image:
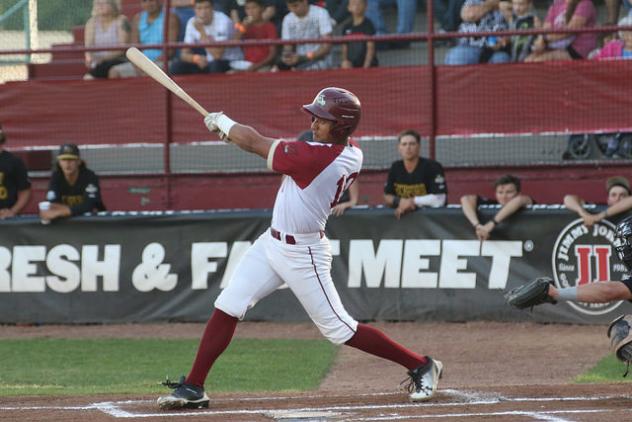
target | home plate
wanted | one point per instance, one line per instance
(301, 415)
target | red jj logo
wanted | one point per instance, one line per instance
(589, 257)
(583, 255)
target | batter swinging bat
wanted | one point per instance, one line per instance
(151, 69)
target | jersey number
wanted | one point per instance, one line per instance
(343, 184)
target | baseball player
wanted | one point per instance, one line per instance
(295, 249)
(15, 187)
(73, 189)
(542, 290)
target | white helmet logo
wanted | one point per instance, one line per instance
(320, 100)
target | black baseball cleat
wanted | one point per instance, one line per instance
(423, 380)
(183, 396)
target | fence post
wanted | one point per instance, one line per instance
(168, 107)
(30, 27)
(432, 109)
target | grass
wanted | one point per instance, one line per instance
(607, 370)
(98, 366)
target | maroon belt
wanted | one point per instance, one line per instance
(288, 238)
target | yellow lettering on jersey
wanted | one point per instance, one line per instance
(72, 200)
(4, 193)
(408, 191)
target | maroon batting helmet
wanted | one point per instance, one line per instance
(339, 106)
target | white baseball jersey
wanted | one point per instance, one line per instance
(317, 175)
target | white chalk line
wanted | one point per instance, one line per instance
(548, 416)
(470, 398)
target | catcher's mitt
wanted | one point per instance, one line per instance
(619, 333)
(531, 294)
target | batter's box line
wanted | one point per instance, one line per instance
(548, 416)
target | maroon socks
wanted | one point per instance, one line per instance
(373, 341)
(217, 336)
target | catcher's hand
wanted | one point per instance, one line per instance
(531, 294)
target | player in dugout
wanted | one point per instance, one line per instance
(73, 188)
(295, 250)
(15, 187)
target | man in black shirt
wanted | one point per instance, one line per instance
(15, 187)
(73, 188)
(414, 181)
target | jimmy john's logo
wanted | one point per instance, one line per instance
(320, 100)
(583, 255)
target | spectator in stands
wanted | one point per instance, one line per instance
(508, 196)
(480, 16)
(448, 12)
(15, 187)
(305, 21)
(571, 14)
(147, 28)
(106, 28)
(618, 49)
(521, 16)
(619, 200)
(414, 182)
(358, 53)
(406, 11)
(253, 27)
(231, 8)
(206, 26)
(73, 188)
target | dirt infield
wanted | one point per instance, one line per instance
(493, 372)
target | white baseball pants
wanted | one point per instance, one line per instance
(305, 267)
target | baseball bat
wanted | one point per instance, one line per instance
(153, 71)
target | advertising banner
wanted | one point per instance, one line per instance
(141, 267)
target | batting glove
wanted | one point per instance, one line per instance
(211, 121)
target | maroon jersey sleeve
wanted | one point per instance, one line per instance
(303, 161)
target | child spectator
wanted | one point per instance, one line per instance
(621, 48)
(106, 28)
(358, 53)
(508, 196)
(522, 16)
(73, 188)
(571, 14)
(208, 25)
(253, 27)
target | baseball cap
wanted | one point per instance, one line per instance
(618, 181)
(68, 152)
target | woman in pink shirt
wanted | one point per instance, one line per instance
(571, 14)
